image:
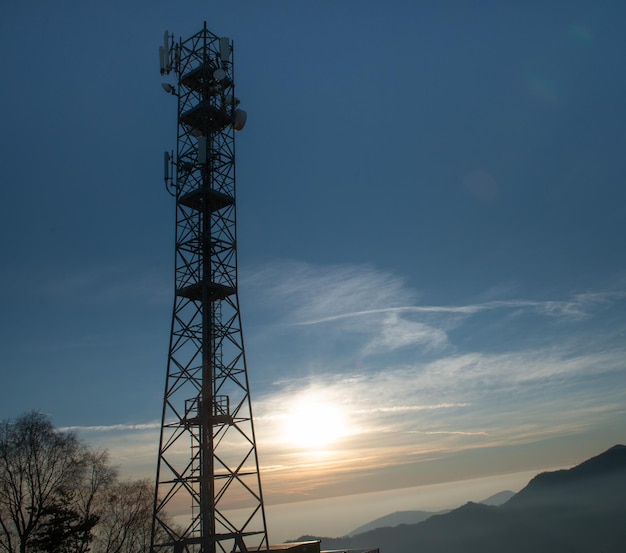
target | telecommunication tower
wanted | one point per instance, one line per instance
(208, 491)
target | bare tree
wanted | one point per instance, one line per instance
(36, 464)
(96, 478)
(126, 518)
(59, 496)
(68, 525)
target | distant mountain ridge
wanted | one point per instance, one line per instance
(600, 472)
(499, 498)
(413, 517)
(393, 520)
(578, 510)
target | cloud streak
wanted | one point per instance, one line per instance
(578, 308)
(379, 310)
(113, 428)
(310, 292)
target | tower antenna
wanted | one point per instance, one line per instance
(208, 489)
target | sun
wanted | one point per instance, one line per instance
(314, 422)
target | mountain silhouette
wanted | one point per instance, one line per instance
(395, 519)
(578, 510)
(413, 517)
(498, 498)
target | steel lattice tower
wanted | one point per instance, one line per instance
(207, 470)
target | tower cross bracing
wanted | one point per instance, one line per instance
(208, 491)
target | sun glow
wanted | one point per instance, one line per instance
(314, 422)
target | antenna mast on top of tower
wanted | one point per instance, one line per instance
(208, 491)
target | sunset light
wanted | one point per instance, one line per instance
(314, 423)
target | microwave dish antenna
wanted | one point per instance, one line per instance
(207, 466)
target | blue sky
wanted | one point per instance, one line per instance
(431, 218)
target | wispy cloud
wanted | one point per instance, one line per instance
(113, 427)
(307, 292)
(577, 308)
(394, 332)
(411, 408)
(379, 307)
(455, 433)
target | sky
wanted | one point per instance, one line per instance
(431, 219)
